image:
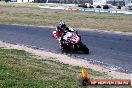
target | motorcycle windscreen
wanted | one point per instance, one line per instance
(67, 35)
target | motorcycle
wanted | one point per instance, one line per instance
(71, 41)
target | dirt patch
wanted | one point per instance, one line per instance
(69, 60)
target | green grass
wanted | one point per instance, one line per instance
(20, 69)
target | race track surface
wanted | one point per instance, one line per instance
(111, 50)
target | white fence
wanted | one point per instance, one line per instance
(98, 10)
(106, 10)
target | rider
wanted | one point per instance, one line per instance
(63, 29)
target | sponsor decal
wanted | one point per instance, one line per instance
(70, 8)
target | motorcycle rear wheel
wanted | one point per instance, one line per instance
(84, 48)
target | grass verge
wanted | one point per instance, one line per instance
(21, 69)
(76, 19)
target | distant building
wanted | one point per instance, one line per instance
(52, 1)
(128, 2)
(112, 2)
(39, 1)
(99, 2)
(55, 1)
(116, 2)
(19, 1)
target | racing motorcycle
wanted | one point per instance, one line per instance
(71, 41)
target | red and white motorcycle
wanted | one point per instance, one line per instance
(70, 41)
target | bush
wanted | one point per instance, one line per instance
(82, 5)
(118, 7)
(7, 0)
(85, 6)
(98, 6)
(91, 7)
(105, 7)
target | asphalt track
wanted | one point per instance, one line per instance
(111, 50)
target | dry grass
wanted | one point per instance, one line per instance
(77, 19)
(15, 4)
